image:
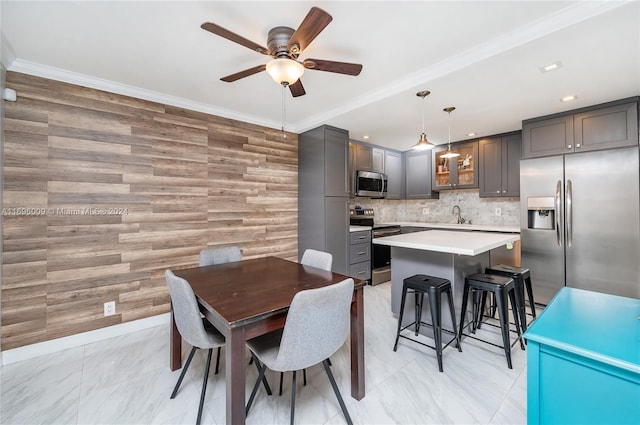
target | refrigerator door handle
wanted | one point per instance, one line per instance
(569, 213)
(558, 221)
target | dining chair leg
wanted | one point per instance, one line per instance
(261, 371)
(281, 377)
(264, 378)
(218, 360)
(184, 372)
(345, 412)
(304, 377)
(204, 385)
(293, 396)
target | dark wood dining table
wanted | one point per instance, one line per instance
(249, 298)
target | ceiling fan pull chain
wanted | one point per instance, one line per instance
(284, 109)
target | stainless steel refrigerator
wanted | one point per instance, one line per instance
(580, 222)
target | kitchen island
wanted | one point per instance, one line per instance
(446, 254)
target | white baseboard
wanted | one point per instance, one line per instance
(48, 347)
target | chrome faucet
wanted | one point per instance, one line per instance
(460, 219)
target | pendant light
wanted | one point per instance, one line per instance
(450, 153)
(423, 143)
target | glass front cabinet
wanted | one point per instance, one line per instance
(460, 172)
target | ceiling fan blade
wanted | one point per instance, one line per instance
(312, 25)
(231, 36)
(297, 89)
(332, 66)
(238, 75)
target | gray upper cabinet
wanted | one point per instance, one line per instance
(378, 160)
(611, 125)
(499, 167)
(368, 158)
(547, 137)
(351, 172)
(336, 162)
(418, 175)
(394, 172)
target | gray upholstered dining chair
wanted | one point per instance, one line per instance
(192, 328)
(319, 259)
(316, 327)
(211, 256)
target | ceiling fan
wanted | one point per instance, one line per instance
(284, 45)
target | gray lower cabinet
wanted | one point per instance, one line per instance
(499, 167)
(394, 171)
(360, 254)
(323, 194)
(418, 175)
(605, 126)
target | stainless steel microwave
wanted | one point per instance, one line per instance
(370, 184)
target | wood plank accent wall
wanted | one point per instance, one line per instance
(122, 189)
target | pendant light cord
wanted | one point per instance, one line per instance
(449, 130)
(423, 114)
(284, 109)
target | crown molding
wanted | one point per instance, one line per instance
(44, 71)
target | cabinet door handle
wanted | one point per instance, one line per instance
(504, 191)
(497, 191)
(362, 237)
(569, 146)
(361, 253)
(361, 272)
(577, 145)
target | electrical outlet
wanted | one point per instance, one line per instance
(109, 308)
(498, 211)
(425, 211)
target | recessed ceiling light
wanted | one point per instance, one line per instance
(551, 67)
(568, 98)
(365, 137)
(471, 134)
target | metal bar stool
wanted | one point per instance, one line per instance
(522, 278)
(502, 288)
(434, 287)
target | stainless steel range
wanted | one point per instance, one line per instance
(381, 255)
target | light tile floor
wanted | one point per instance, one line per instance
(126, 380)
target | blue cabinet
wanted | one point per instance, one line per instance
(583, 360)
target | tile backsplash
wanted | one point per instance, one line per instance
(473, 208)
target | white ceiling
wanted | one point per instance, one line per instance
(481, 57)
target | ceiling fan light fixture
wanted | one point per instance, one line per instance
(285, 71)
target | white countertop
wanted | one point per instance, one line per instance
(464, 243)
(480, 227)
(359, 228)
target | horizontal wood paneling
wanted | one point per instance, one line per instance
(183, 180)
